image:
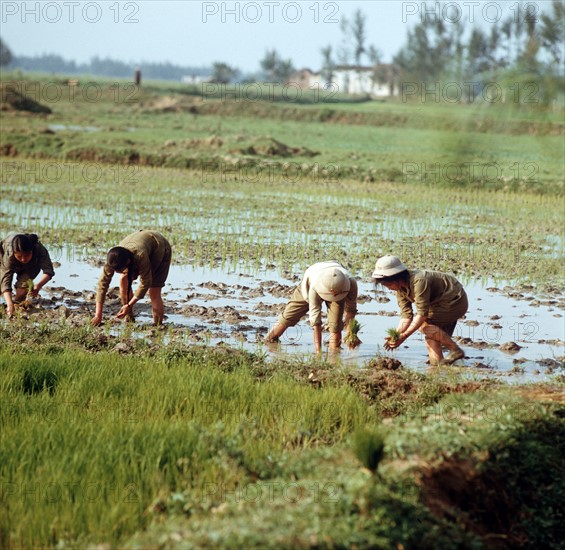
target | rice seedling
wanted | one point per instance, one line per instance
(392, 334)
(368, 446)
(352, 339)
(471, 239)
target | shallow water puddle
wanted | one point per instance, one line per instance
(72, 128)
(210, 306)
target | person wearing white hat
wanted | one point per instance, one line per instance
(327, 282)
(439, 298)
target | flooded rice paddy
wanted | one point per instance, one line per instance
(515, 332)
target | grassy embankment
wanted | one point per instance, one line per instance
(182, 447)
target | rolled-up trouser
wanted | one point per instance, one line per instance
(298, 307)
(162, 261)
(445, 316)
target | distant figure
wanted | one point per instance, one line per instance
(327, 282)
(24, 256)
(137, 76)
(144, 254)
(439, 298)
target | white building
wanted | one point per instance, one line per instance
(195, 79)
(376, 81)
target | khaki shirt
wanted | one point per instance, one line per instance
(313, 298)
(143, 245)
(427, 289)
(9, 265)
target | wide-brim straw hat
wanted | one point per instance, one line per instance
(388, 266)
(332, 284)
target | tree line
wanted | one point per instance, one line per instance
(530, 42)
(51, 63)
(435, 49)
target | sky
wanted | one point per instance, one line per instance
(199, 33)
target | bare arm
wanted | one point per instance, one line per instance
(97, 319)
(9, 302)
(407, 327)
(42, 282)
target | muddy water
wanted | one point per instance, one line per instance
(237, 308)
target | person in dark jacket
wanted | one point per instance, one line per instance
(143, 254)
(24, 256)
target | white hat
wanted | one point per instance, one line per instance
(332, 284)
(388, 266)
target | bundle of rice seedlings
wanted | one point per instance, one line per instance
(27, 303)
(393, 335)
(352, 340)
(368, 445)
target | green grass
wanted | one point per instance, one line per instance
(91, 441)
(98, 448)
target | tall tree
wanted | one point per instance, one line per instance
(496, 59)
(478, 53)
(551, 33)
(5, 54)
(344, 53)
(506, 29)
(359, 35)
(380, 74)
(529, 55)
(276, 69)
(328, 64)
(222, 73)
(428, 52)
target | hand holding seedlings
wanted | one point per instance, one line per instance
(33, 291)
(393, 339)
(351, 339)
(24, 256)
(30, 294)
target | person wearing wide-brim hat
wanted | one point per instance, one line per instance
(440, 301)
(323, 282)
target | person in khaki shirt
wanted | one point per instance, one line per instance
(144, 254)
(439, 299)
(327, 282)
(24, 256)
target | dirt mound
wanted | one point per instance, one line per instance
(169, 104)
(387, 363)
(270, 147)
(508, 493)
(12, 100)
(377, 385)
(165, 104)
(8, 150)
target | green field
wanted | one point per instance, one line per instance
(159, 444)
